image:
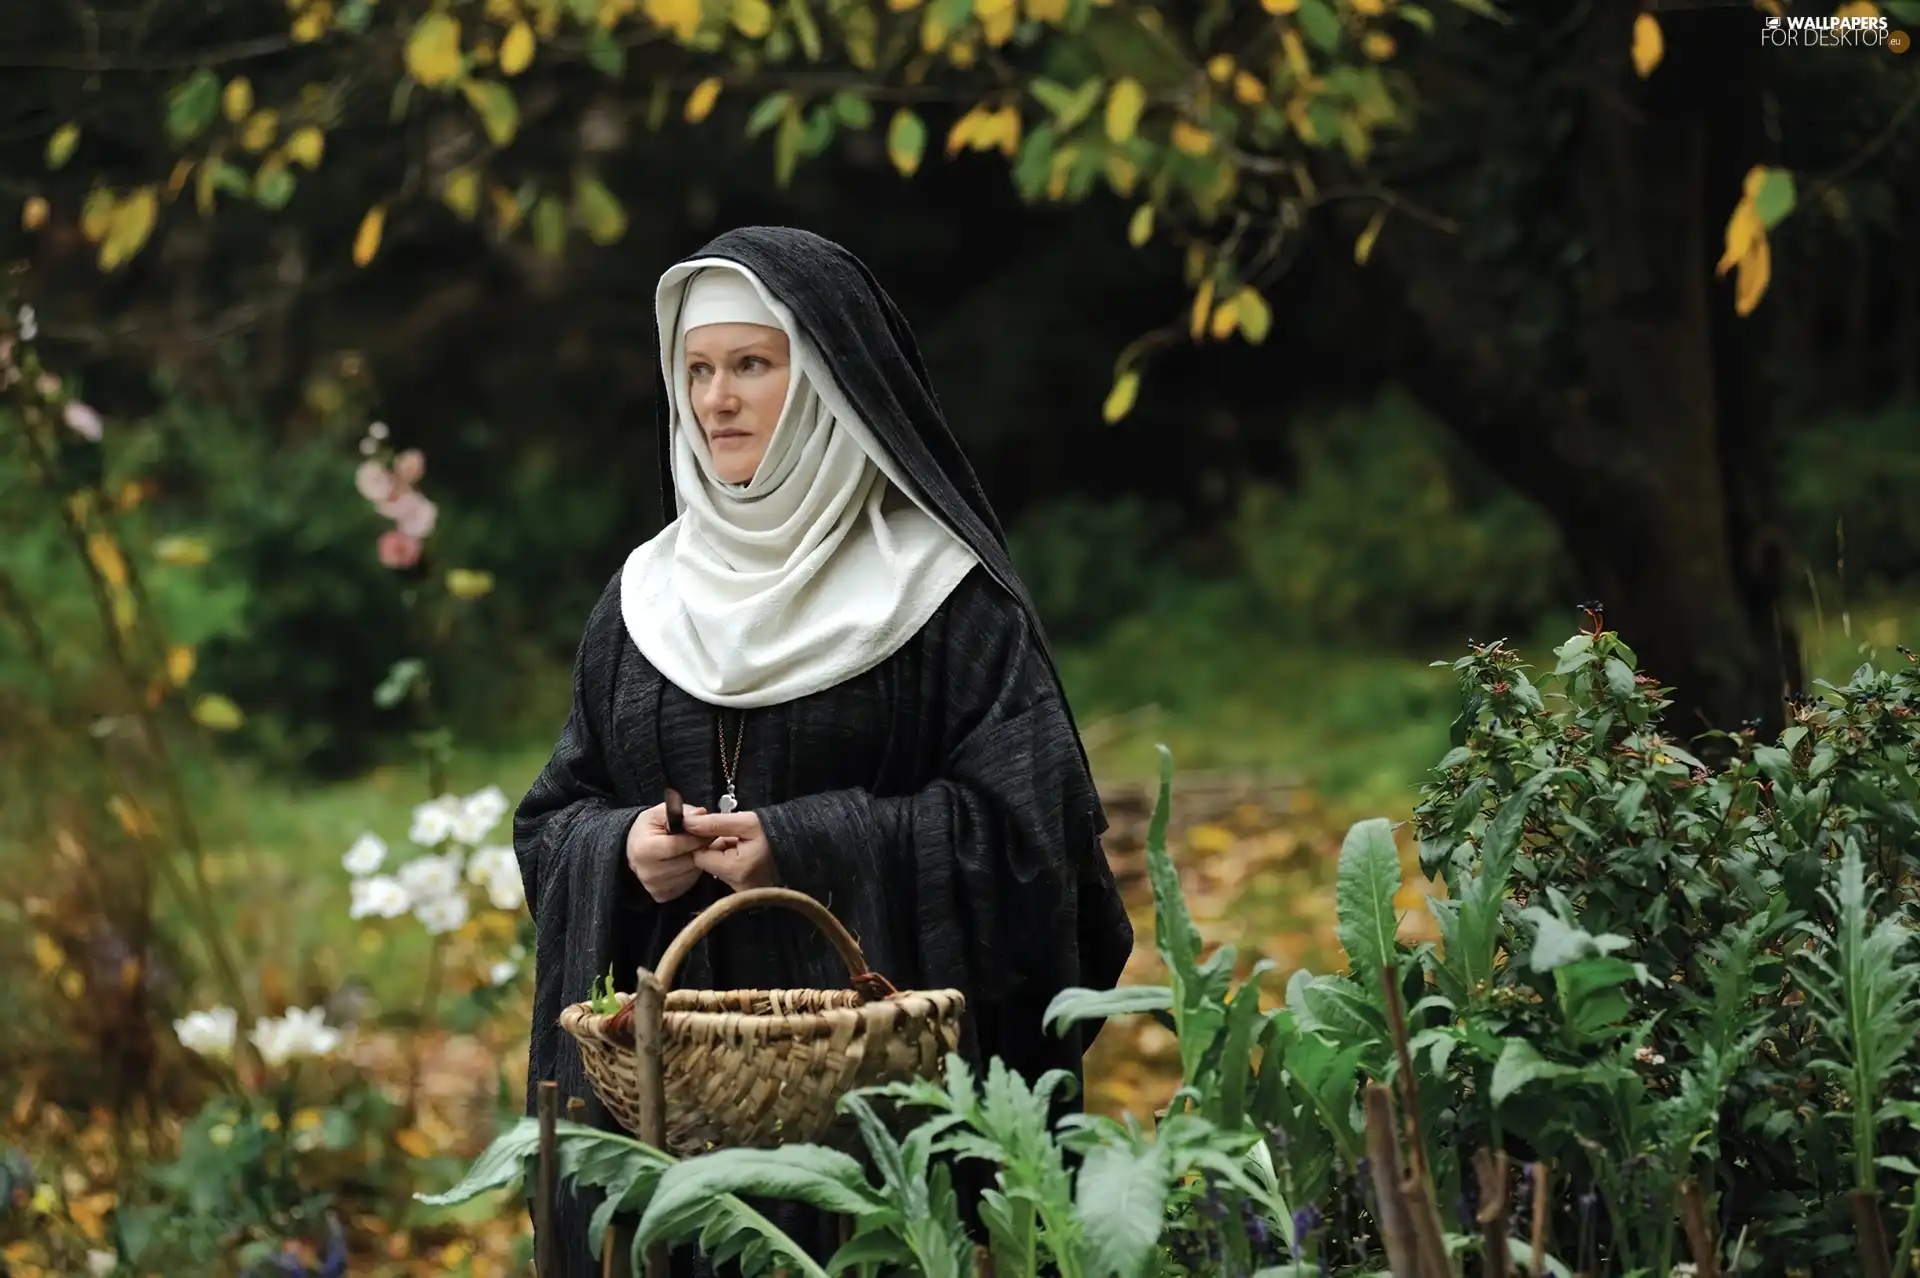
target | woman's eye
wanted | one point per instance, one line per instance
(698, 370)
(752, 363)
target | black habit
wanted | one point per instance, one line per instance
(939, 804)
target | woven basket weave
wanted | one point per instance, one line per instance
(760, 1068)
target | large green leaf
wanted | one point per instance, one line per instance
(1121, 1203)
(1174, 933)
(1369, 876)
(499, 1165)
(1077, 1004)
(1520, 1064)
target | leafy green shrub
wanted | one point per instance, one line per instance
(1686, 1001)
(1088, 564)
(1854, 477)
(1389, 533)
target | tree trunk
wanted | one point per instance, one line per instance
(1646, 431)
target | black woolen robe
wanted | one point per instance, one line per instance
(939, 804)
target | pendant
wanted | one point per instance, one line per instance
(727, 802)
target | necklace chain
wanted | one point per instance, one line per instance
(729, 801)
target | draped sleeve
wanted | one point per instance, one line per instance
(997, 855)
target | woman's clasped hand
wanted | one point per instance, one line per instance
(730, 846)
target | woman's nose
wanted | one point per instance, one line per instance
(717, 395)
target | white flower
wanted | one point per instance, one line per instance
(428, 878)
(502, 972)
(490, 863)
(101, 1263)
(365, 856)
(29, 324)
(442, 914)
(209, 1033)
(379, 897)
(433, 821)
(506, 892)
(301, 1032)
(490, 803)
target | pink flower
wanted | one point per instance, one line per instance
(409, 466)
(374, 481)
(397, 550)
(411, 513)
(83, 420)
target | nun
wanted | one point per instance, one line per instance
(829, 653)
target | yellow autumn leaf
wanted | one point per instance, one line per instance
(310, 26)
(966, 131)
(1191, 139)
(604, 220)
(33, 214)
(516, 51)
(461, 192)
(260, 130)
(1377, 45)
(1648, 44)
(433, 50)
(468, 583)
(700, 101)
(1122, 173)
(903, 6)
(1140, 226)
(1003, 131)
(96, 214)
(1225, 319)
(236, 100)
(1743, 228)
(752, 18)
(1126, 388)
(180, 663)
(1053, 12)
(1363, 247)
(46, 954)
(1202, 309)
(682, 17)
(61, 145)
(1125, 101)
(1369, 8)
(1256, 317)
(1754, 271)
(182, 552)
(1247, 89)
(217, 713)
(1857, 9)
(414, 1142)
(177, 180)
(934, 29)
(132, 223)
(1000, 27)
(506, 208)
(1220, 68)
(90, 1214)
(1209, 839)
(1060, 171)
(1280, 7)
(366, 242)
(306, 146)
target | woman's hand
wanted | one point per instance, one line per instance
(663, 862)
(738, 854)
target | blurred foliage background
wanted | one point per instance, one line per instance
(1296, 343)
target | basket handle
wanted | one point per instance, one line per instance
(871, 985)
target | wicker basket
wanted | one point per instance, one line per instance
(757, 1068)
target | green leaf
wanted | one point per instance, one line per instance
(1120, 1203)
(604, 53)
(600, 213)
(1485, 8)
(1627, 806)
(1590, 996)
(1073, 1005)
(191, 106)
(786, 147)
(496, 106)
(1368, 878)
(1905, 10)
(1320, 23)
(768, 111)
(1174, 933)
(273, 187)
(906, 141)
(1619, 677)
(549, 226)
(1417, 15)
(853, 110)
(699, 1199)
(499, 1165)
(354, 16)
(1520, 1064)
(1574, 653)
(806, 28)
(1557, 943)
(1069, 106)
(1774, 200)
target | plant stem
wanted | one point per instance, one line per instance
(429, 1000)
(1904, 1259)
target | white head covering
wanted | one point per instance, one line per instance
(819, 568)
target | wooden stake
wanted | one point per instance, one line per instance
(1693, 1218)
(546, 1241)
(649, 1004)
(1540, 1182)
(1383, 1153)
(1491, 1171)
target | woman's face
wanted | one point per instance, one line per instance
(737, 378)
